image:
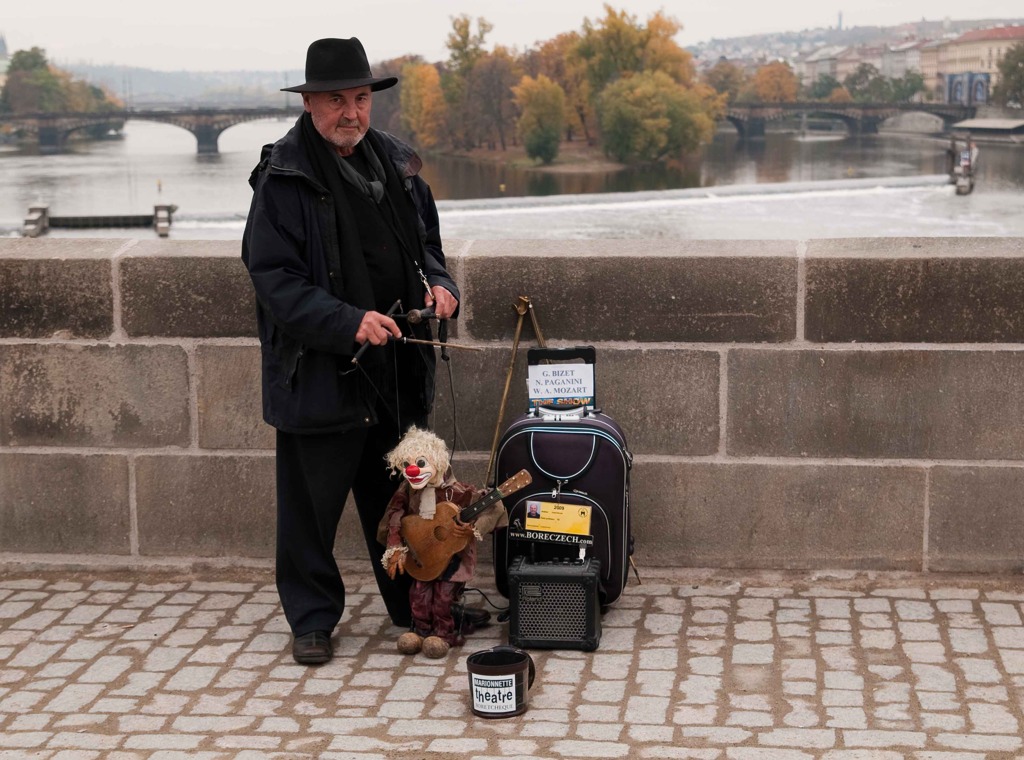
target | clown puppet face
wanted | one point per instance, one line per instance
(421, 473)
(421, 457)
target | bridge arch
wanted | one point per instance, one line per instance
(206, 125)
(747, 128)
(53, 136)
(750, 118)
(52, 130)
(852, 123)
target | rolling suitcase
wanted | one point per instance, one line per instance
(578, 458)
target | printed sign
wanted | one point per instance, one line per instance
(494, 694)
(549, 517)
(563, 539)
(561, 384)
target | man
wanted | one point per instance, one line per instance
(341, 228)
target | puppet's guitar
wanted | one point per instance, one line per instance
(433, 543)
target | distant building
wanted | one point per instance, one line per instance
(899, 59)
(934, 85)
(969, 64)
(822, 62)
(852, 58)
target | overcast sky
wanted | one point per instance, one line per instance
(212, 35)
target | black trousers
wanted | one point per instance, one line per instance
(314, 476)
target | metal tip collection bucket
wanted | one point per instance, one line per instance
(499, 681)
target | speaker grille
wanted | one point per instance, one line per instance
(552, 610)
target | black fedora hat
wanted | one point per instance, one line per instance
(333, 64)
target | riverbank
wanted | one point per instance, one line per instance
(580, 157)
(574, 156)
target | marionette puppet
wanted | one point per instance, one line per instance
(425, 537)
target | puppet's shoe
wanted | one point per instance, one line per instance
(312, 648)
(410, 643)
(468, 619)
(435, 647)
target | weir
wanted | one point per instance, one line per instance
(790, 404)
(39, 220)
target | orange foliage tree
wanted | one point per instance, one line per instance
(424, 111)
(726, 78)
(556, 59)
(776, 83)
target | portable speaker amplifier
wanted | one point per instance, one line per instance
(554, 604)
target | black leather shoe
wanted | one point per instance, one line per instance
(312, 648)
(468, 619)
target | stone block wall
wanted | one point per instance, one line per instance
(854, 403)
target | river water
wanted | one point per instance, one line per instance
(786, 186)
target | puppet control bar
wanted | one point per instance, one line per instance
(414, 317)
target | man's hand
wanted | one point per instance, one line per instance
(444, 303)
(462, 530)
(375, 329)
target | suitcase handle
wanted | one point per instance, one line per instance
(562, 413)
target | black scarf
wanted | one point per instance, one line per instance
(373, 189)
(395, 206)
(354, 286)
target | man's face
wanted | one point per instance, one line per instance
(341, 116)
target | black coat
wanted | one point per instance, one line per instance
(307, 332)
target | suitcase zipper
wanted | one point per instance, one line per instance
(556, 492)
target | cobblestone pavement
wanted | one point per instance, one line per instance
(709, 665)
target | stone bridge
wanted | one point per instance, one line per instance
(53, 130)
(860, 118)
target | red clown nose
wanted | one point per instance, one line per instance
(412, 471)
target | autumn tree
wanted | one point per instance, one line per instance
(611, 48)
(465, 47)
(490, 86)
(840, 95)
(726, 78)
(649, 116)
(32, 86)
(424, 112)
(866, 85)
(619, 45)
(629, 64)
(387, 104)
(557, 60)
(1010, 88)
(541, 104)
(662, 53)
(776, 83)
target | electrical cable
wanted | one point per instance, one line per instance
(486, 598)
